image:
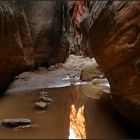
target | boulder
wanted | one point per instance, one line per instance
(101, 84)
(90, 91)
(90, 71)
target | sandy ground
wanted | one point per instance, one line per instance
(57, 76)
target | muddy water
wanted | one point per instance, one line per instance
(85, 117)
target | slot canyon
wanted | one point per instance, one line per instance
(69, 69)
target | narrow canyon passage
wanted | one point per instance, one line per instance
(69, 69)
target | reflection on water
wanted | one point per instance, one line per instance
(72, 134)
(72, 115)
(66, 84)
(77, 122)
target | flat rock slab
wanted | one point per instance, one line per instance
(41, 105)
(16, 122)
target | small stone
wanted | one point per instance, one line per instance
(15, 122)
(41, 104)
(43, 93)
(46, 99)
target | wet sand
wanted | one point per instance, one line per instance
(97, 119)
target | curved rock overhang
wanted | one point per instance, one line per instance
(114, 41)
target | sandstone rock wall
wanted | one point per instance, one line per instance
(76, 13)
(114, 40)
(15, 43)
(32, 34)
(45, 20)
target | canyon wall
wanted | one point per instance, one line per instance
(32, 33)
(76, 13)
(15, 42)
(45, 19)
(114, 39)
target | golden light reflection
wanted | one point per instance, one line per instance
(77, 122)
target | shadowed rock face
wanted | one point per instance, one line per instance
(32, 34)
(76, 13)
(15, 43)
(45, 20)
(114, 40)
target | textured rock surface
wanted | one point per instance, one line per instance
(90, 71)
(114, 40)
(77, 12)
(45, 20)
(32, 34)
(15, 43)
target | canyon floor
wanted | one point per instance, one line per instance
(75, 113)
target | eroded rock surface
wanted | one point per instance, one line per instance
(90, 71)
(15, 43)
(45, 19)
(114, 40)
(76, 13)
(32, 34)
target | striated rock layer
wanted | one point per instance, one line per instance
(114, 40)
(75, 15)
